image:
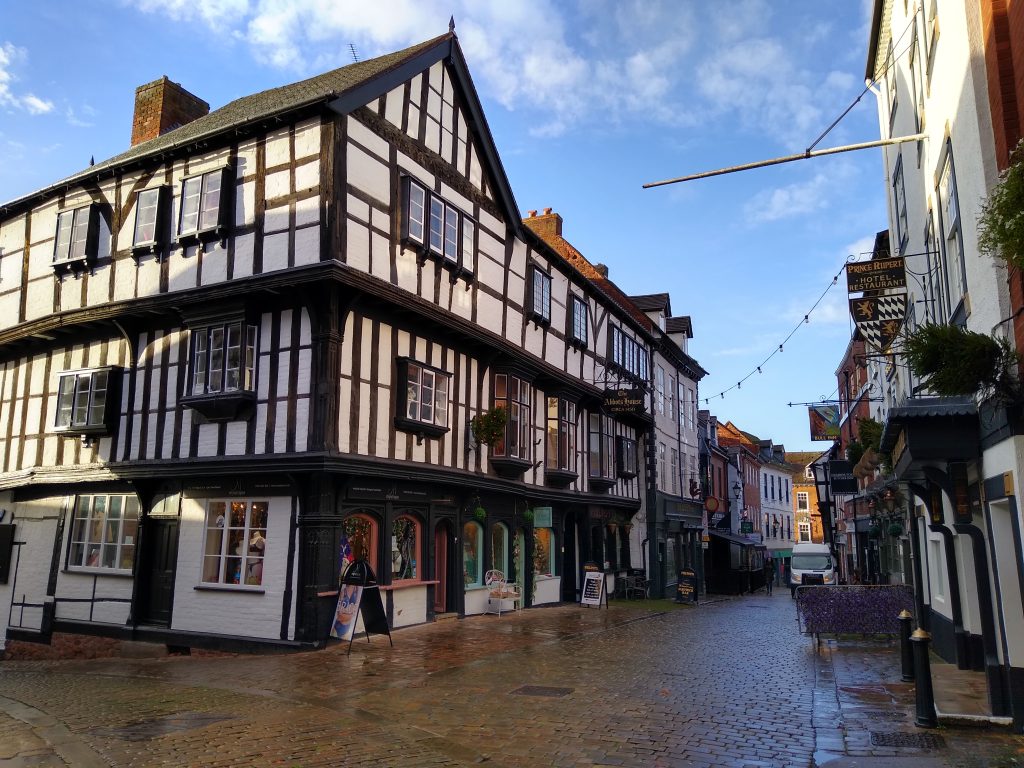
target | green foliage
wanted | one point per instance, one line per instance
(528, 516)
(955, 361)
(870, 432)
(1001, 224)
(854, 451)
(489, 426)
(480, 514)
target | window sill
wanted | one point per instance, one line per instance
(559, 478)
(206, 235)
(229, 406)
(85, 570)
(601, 484)
(407, 584)
(539, 577)
(89, 430)
(237, 588)
(510, 468)
(420, 428)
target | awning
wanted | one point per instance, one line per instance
(743, 541)
(928, 429)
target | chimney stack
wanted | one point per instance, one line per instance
(602, 270)
(548, 225)
(162, 106)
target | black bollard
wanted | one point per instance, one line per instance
(925, 699)
(906, 650)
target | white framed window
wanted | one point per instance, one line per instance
(77, 238)
(204, 206)
(951, 240)
(104, 530)
(661, 465)
(431, 224)
(150, 209)
(422, 398)
(670, 389)
(235, 543)
(540, 295)
(628, 355)
(802, 501)
(626, 454)
(659, 388)
(223, 359)
(82, 398)
(805, 532)
(673, 471)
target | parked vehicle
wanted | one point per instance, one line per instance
(811, 564)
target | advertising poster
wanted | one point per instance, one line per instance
(347, 612)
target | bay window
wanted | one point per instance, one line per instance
(601, 452)
(77, 238)
(422, 399)
(150, 210)
(515, 396)
(204, 205)
(82, 399)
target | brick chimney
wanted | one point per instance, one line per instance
(162, 106)
(548, 225)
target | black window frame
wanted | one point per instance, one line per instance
(628, 356)
(418, 425)
(515, 409)
(69, 389)
(453, 242)
(564, 420)
(626, 457)
(204, 229)
(222, 403)
(603, 474)
(542, 314)
(159, 222)
(89, 251)
(579, 322)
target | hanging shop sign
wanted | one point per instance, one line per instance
(879, 318)
(841, 477)
(622, 402)
(746, 526)
(542, 517)
(876, 275)
(824, 422)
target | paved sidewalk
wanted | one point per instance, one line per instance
(727, 684)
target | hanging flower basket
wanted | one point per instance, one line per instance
(528, 516)
(489, 426)
(875, 531)
(480, 514)
(895, 529)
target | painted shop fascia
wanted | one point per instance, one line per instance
(248, 339)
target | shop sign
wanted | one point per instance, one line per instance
(593, 588)
(383, 491)
(824, 422)
(624, 402)
(746, 526)
(542, 517)
(686, 586)
(876, 275)
(879, 318)
(841, 477)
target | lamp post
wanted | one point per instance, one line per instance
(737, 492)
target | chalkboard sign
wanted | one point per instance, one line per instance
(593, 589)
(686, 588)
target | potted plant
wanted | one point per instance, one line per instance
(955, 361)
(875, 531)
(489, 426)
(895, 529)
(1001, 224)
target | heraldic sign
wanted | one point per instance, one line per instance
(880, 312)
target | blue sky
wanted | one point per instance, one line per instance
(587, 101)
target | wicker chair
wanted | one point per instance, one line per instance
(500, 593)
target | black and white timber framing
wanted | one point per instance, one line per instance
(261, 366)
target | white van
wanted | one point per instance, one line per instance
(811, 564)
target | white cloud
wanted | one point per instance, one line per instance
(10, 57)
(786, 202)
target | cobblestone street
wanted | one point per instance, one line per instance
(729, 683)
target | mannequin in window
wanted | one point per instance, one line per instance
(257, 547)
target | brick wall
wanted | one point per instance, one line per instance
(162, 106)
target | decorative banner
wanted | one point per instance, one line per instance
(875, 275)
(879, 318)
(824, 422)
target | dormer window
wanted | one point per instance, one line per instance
(77, 240)
(433, 226)
(203, 205)
(150, 214)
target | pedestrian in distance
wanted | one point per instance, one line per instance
(769, 574)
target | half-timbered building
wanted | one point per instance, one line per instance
(255, 343)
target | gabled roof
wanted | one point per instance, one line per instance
(340, 90)
(802, 458)
(681, 324)
(653, 302)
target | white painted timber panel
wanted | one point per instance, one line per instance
(368, 174)
(307, 246)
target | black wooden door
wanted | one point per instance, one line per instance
(156, 571)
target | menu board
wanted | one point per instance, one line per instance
(593, 588)
(686, 587)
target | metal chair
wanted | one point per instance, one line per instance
(499, 591)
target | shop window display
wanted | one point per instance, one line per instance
(472, 550)
(499, 548)
(543, 551)
(236, 542)
(361, 532)
(405, 536)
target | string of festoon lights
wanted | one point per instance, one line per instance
(779, 349)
